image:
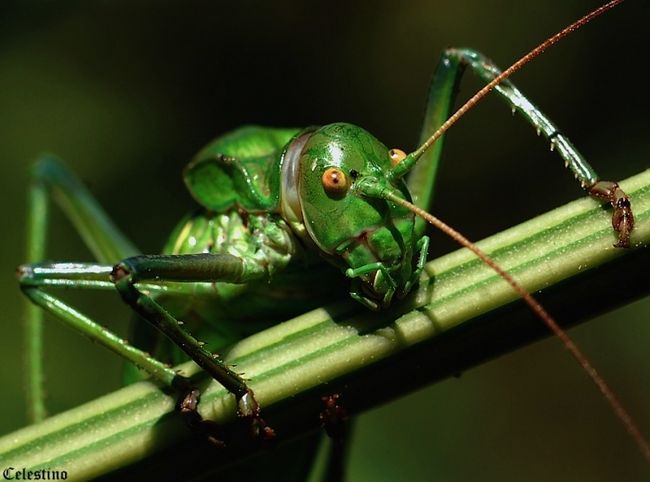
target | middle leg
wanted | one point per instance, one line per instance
(131, 272)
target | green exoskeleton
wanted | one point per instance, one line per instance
(277, 208)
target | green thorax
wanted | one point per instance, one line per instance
(239, 169)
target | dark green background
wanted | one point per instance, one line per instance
(126, 92)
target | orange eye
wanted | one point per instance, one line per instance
(396, 156)
(335, 182)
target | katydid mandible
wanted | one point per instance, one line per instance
(272, 202)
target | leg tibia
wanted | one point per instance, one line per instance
(486, 70)
(83, 324)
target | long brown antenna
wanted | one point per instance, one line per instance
(411, 159)
(582, 359)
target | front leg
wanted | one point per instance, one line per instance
(441, 96)
(609, 191)
(192, 268)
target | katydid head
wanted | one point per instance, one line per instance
(323, 192)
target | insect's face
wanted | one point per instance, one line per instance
(370, 238)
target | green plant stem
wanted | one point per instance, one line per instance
(461, 314)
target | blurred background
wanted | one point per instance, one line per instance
(127, 92)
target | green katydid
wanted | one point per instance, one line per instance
(241, 182)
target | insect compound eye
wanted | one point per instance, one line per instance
(335, 182)
(396, 156)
